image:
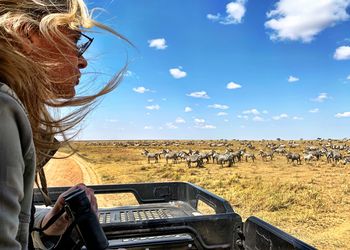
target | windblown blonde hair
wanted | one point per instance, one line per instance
(30, 79)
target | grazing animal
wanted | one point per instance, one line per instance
(249, 155)
(215, 157)
(150, 156)
(346, 159)
(170, 155)
(293, 157)
(226, 158)
(281, 151)
(238, 155)
(308, 157)
(195, 158)
(334, 156)
(265, 155)
(317, 153)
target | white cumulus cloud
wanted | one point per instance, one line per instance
(180, 120)
(148, 127)
(222, 114)
(321, 97)
(315, 110)
(188, 109)
(279, 117)
(128, 73)
(342, 115)
(140, 90)
(199, 94)
(218, 106)
(208, 126)
(198, 120)
(233, 85)
(177, 73)
(200, 123)
(258, 119)
(153, 107)
(251, 111)
(293, 79)
(235, 12)
(303, 19)
(170, 125)
(297, 118)
(214, 17)
(158, 43)
(342, 53)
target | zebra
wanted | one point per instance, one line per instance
(264, 155)
(308, 157)
(333, 155)
(293, 157)
(150, 156)
(228, 157)
(249, 155)
(238, 154)
(316, 153)
(346, 159)
(280, 150)
(170, 155)
(215, 156)
(182, 155)
(194, 158)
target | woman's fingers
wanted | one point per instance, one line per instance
(92, 198)
(63, 221)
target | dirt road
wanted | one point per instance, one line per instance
(70, 171)
(74, 170)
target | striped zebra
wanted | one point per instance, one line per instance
(150, 156)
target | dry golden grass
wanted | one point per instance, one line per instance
(310, 201)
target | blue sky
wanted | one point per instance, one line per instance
(210, 69)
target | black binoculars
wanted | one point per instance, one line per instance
(78, 207)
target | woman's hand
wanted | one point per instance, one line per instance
(61, 224)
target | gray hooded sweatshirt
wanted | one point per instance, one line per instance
(17, 171)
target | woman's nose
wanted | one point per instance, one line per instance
(82, 63)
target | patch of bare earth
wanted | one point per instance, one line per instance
(74, 170)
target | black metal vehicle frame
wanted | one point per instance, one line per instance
(167, 217)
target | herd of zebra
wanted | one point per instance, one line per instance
(230, 157)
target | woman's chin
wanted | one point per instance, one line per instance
(66, 93)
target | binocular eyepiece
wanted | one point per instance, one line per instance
(78, 207)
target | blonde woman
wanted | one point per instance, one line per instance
(42, 43)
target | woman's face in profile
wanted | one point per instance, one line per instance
(66, 61)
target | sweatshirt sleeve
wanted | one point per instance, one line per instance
(38, 242)
(11, 176)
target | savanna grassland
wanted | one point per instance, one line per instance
(310, 201)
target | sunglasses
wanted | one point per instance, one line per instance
(83, 43)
